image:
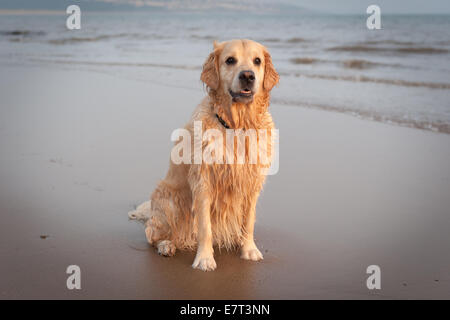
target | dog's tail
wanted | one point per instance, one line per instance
(142, 212)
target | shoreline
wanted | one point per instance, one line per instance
(364, 115)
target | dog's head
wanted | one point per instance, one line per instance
(240, 69)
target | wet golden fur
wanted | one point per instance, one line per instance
(201, 205)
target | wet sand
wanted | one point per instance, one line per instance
(81, 149)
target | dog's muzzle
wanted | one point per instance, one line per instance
(247, 82)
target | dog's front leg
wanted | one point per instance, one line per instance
(204, 260)
(249, 251)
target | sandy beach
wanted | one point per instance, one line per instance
(80, 149)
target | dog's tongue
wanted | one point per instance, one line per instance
(245, 91)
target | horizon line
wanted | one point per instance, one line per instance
(62, 12)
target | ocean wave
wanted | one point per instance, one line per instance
(270, 40)
(104, 37)
(263, 40)
(348, 64)
(80, 39)
(405, 50)
(87, 39)
(360, 64)
(360, 78)
(22, 33)
(295, 40)
(394, 42)
(435, 126)
(119, 64)
(402, 43)
(290, 41)
(207, 37)
(305, 60)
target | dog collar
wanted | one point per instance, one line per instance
(222, 121)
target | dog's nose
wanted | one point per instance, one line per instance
(247, 77)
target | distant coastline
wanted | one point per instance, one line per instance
(30, 12)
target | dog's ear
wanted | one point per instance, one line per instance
(271, 76)
(210, 73)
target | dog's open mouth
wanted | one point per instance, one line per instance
(244, 94)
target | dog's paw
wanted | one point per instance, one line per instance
(141, 213)
(166, 248)
(204, 262)
(251, 253)
(132, 215)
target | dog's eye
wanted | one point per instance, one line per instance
(230, 61)
(257, 61)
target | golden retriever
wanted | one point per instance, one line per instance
(199, 205)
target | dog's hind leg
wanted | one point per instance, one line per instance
(167, 220)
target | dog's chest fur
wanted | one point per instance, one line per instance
(232, 188)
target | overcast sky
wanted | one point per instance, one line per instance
(325, 6)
